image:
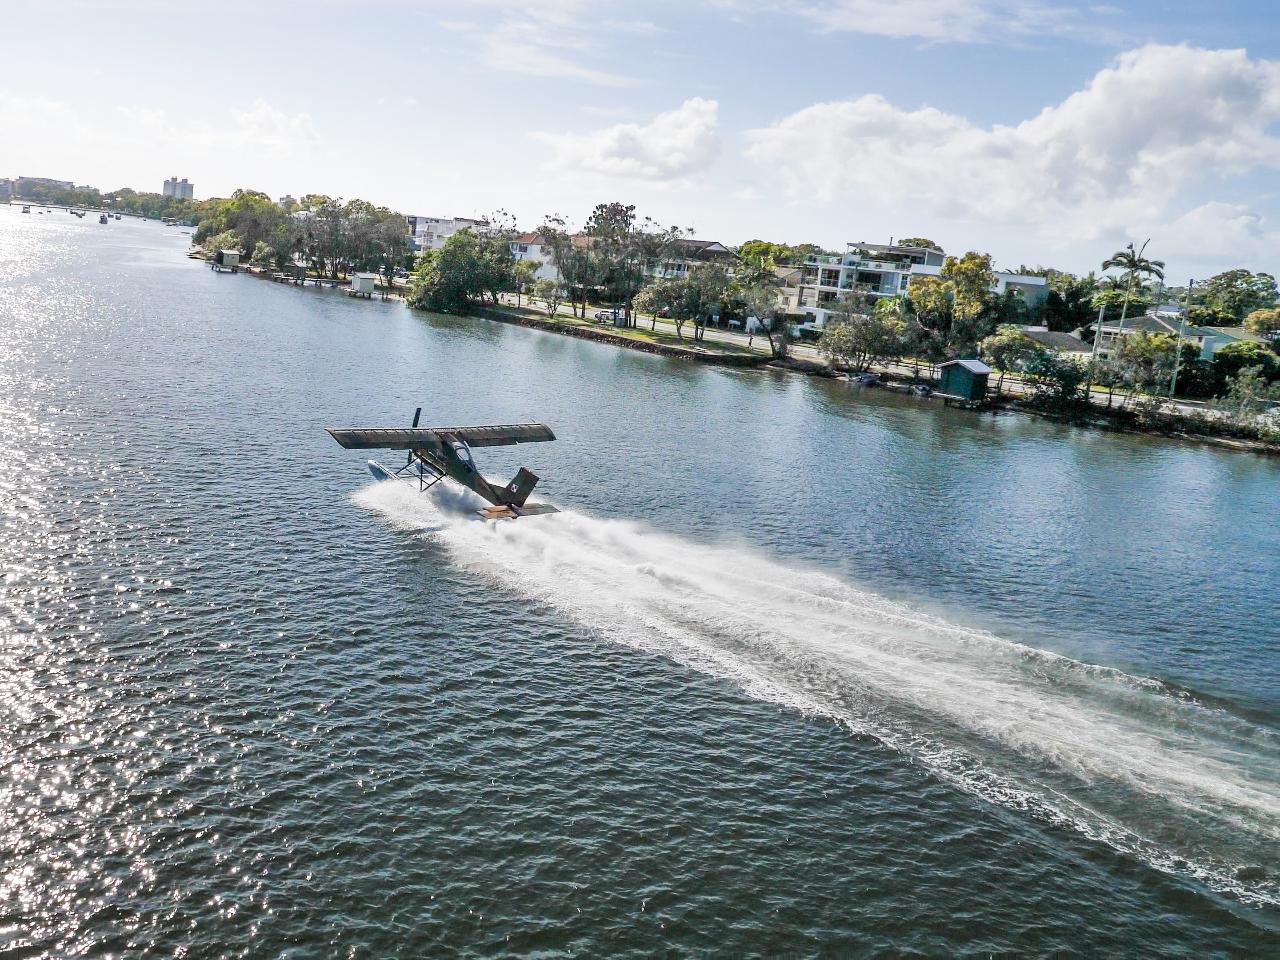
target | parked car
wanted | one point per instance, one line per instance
(608, 316)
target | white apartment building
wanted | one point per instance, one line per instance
(532, 246)
(430, 233)
(173, 187)
(879, 270)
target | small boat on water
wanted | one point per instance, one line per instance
(26, 209)
(864, 379)
(102, 218)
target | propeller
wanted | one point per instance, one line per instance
(416, 415)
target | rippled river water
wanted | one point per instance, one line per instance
(799, 669)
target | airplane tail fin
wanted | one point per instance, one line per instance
(518, 490)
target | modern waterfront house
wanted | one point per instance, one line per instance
(879, 270)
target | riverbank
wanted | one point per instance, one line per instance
(630, 338)
(720, 352)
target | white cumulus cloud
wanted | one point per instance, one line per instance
(1218, 235)
(264, 127)
(1158, 121)
(672, 146)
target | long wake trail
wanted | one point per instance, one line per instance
(1190, 788)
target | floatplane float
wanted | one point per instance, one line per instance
(436, 453)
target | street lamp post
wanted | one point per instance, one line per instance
(1177, 353)
(1093, 360)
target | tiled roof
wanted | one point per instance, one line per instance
(1153, 324)
(1237, 333)
(1056, 340)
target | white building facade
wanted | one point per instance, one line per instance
(880, 270)
(532, 246)
(430, 233)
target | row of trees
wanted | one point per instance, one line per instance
(617, 259)
(1144, 363)
(1236, 297)
(331, 236)
(468, 268)
(610, 259)
(124, 200)
(710, 293)
(1157, 364)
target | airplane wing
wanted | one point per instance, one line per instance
(402, 438)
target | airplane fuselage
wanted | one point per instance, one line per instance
(435, 453)
(451, 457)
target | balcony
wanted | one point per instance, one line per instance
(882, 266)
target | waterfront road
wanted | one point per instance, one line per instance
(917, 370)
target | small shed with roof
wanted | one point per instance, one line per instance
(964, 380)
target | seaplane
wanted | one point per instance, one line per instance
(437, 453)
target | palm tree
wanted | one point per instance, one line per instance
(1132, 262)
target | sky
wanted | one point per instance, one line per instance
(1040, 131)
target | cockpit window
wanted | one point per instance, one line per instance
(463, 452)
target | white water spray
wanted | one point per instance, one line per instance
(1190, 788)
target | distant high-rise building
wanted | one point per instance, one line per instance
(173, 187)
(288, 204)
(6, 188)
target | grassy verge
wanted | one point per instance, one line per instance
(658, 337)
